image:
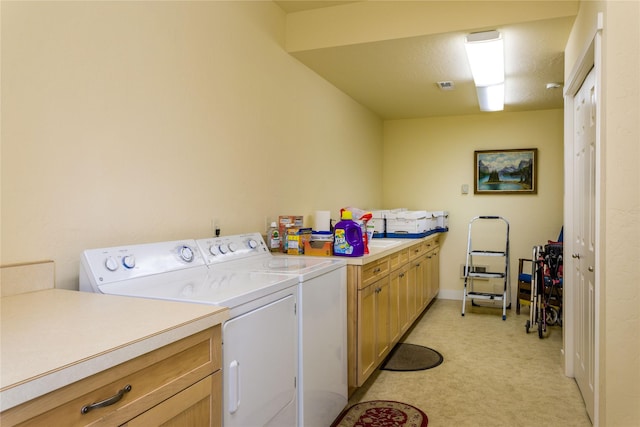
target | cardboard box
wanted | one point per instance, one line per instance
(410, 222)
(379, 218)
(284, 223)
(442, 219)
(318, 248)
(296, 238)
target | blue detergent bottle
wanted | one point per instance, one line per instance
(347, 237)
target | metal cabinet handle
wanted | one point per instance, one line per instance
(590, 268)
(575, 256)
(401, 275)
(376, 270)
(107, 402)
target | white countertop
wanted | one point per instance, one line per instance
(381, 247)
(54, 337)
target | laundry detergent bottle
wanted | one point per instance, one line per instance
(347, 237)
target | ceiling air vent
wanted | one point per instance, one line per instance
(445, 85)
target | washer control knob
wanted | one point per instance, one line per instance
(111, 264)
(223, 248)
(232, 247)
(252, 244)
(129, 261)
(212, 250)
(186, 253)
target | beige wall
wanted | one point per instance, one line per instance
(619, 326)
(428, 160)
(622, 215)
(132, 122)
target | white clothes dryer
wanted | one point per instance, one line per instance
(322, 317)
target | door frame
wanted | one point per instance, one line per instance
(591, 57)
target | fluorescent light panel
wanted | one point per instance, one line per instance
(491, 98)
(485, 52)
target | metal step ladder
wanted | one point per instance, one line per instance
(480, 283)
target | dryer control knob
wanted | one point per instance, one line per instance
(111, 264)
(129, 261)
(232, 247)
(212, 250)
(223, 248)
(186, 253)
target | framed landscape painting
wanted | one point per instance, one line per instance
(506, 171)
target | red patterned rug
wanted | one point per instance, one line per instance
(381, 413)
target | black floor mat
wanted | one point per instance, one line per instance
(411, 357)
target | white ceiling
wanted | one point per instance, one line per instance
(396, 76)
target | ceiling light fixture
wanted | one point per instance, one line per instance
(485, 52)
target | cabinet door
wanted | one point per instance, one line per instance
(366, 333)
(423, 275)
(401, 280)
(433, 274)
(428, 278)
(412, 291)
(373, 327)
(398, 319)
(382, 318)
(394, 305)
(198, 405)
(416, 289)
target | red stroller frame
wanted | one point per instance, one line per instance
(546, 283)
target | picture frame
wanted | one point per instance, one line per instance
(513, 171)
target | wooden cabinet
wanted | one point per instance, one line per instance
(433, 273)
(422, 283)
(412, 290)
(384, 298)
(373, 327)
(399, 259)
(175, 384)
(373, 271)
(399, 321)
(195, 406)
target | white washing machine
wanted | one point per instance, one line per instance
(260, 339)
(322, 317)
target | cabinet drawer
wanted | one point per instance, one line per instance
(198, 405)
(416, 250)
(398, 259)
(152, 378)
(373, 271)
(430, 245)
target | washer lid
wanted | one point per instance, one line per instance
(303, 267)
(224, 288)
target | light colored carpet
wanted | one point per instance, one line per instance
(493, 374)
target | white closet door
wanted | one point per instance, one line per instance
(584, 238)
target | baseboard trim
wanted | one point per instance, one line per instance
(450, 294)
